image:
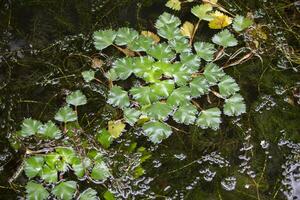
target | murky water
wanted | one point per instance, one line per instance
(256, 156)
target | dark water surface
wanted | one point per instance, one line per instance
(256, 156)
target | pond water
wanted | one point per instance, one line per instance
(255, 156)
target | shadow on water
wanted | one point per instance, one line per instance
(256, 156)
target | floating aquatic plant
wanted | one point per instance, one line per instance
(172, 78)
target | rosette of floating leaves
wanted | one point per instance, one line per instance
(171, 77)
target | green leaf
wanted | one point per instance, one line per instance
(191, 61)
(179, 96)
(210, 118)
(65, 190)
(213, 73)
(185, 114)
(104, 38)
(29, 127)
(159, 111)
(131, 116)
(205, 50)
(100, 171)
(163, 88)
(142, 65)
(153, 75)
(48, 174)
(118, 97)
(95, 155)
(203, 11)
(161, 52)
(157, 131)
(104, 138)
(115, 128)
(225, 39)
(78, 167)
(51, 159)
(112, 75)
(234, 106)
(88, 75)
(76, 98)
(126, 36)
(33, 166)
(88, 194)
(180, 45)
(35, 191)
(241, 23)
(166, 68)
(228, 86)
(174, 4)
(199, 86)
(144, 95)
(50, 130)
(67, 153)
(66, 114)
(123, 67)
(181, 74)
(142, 43)
(167, 26)
(108, 195)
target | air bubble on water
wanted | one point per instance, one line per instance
(229, 183)
(208, 175)
(180, 156)
(264, 144)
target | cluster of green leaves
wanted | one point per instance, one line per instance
(171, 78)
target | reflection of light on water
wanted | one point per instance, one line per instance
(229, 183)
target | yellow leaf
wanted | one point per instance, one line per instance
(210, 1)
(174, 4)
(143, 119)
(187, 29)
(153, 36)
(219, 21)
(115, 128)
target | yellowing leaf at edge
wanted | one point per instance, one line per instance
(174, 4)
(152, 35)
(115, 128)
(187, 29)
(219, 21)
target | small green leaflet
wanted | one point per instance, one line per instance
(35, 191)
(166, 68)
(205, 50)
(228, 86)
(163, 88)
(161, 52)
(131, 115)
(66, 114)
(191, 61)
(29, 127)
(50, 130)
(88, 75)
(126, 35)
(167, 26)
(203, 11)
(76, 98)
(225, 39)
(65, 190)
(179, 96)
(78, 167)
(241, 23)
(174, 4)
(143, 95)
(234, 106)
(103, 39)
(33, 166)
(118, 97)
(48, 174)
(152, 76)
(159, 111)
(88, 194)
(199, 86)
(67, 153)
(51, 159)
(210, 118)
(181, 75)
(180, 45)
(185, 114)
(157, 131)
(213, 73)
(108, 195)
(123, 67)
(104, 138)
(141, 65)
(142, 43)
(100, 171)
